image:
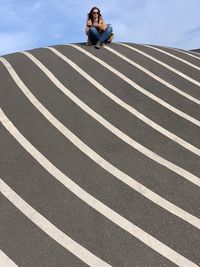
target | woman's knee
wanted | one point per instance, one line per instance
(109, 28)
(92, 30)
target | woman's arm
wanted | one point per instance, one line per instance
(88, 25)
(102, 25)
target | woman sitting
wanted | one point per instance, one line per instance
(98, 32)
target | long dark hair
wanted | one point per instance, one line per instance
(90, 16)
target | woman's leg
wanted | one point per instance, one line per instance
(106, 34)
(93, 35)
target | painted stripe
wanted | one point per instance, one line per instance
(109, 126)
(5, 261)
(130, 109)
(154, 76)
(102, 162)
(50, 229)
(163, 64)
(135, 86)
(196, 53)
(192, 54)
(187, 175)
(189, 53)
(173, 56)
(90, 200)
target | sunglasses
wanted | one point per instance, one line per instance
(95, 12)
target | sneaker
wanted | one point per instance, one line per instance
(98, 45)
(89, 43)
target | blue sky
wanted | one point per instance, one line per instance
(27, 24)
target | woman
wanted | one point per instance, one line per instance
(98, 32)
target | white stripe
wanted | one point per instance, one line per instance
(187, 53)
(197, 53)
(173, 56)
(134, 85)
(101, 161)
(105, 164)
(151, 74)
(186, 77)
(50, 229)
(5, 261)
(117, 100)
(93, 202)
(194, 53)
(187, 175)
(163, 64)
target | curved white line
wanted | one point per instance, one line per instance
(136, 86)
(154, 76)
(117, 100)
(197, 53)
(49, 228)
(190, 53)
(186, 77)
(108, 125)
(180, 171)
(93, 202)
(5, 261)
(187, 53)
(101, 161)
(173, 56)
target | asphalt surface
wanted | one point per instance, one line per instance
(196, 50)
(123, 171)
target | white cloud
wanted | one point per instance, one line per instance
(14, 42)
(47, 22)
(160, 22)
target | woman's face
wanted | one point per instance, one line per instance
(95, 13)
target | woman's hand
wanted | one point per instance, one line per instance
(95, 24)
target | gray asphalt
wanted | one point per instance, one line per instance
(178, 53)
(134, 98)
(24, 242)
(191, 72)
(162, 72)
(196, 50)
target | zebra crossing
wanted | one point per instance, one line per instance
(100, 156)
